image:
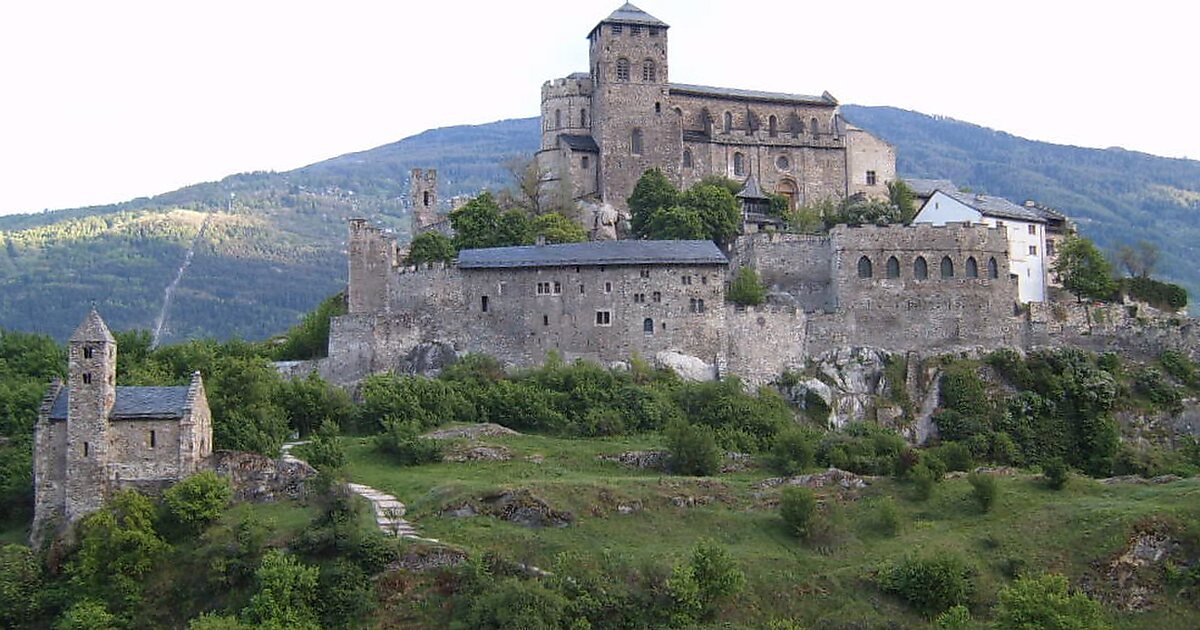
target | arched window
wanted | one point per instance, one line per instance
(788, 189)
(815, 128)
(893, 267)
(739, 165)
(772, 126)
(920, 268)
(728, 122)
(993, 269)
(583, 118)
(972, 268)
(687, 158)
(635, 142)
(649, 73)
(648, 326)
(947, 267)
(558, 119)
(864, 267)
(623, 70)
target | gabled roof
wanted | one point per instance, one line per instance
(926, 187)
(629, 14)
(625, 252)
(93, 328)
(579, 142)
(135, 403)
(998, 207)
(752, 95)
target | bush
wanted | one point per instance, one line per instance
(956, 455)
(198, 500)
(886, 519)
(1162, 295)
(430, 247)
(514, 604)
(1180, 367)
(746, 288)
(930, 585)
(1057, 474)
(983, 490)
(403, 441)
(1044, 602)
(923, 481)
(324, 452)
(20, 586)
(1151, 384)
(955, 618)
(87, 614)
(794, 450)
(798, 507)
(693, 449)
(717, 575)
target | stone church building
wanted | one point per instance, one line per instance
(602, 129)
(94, 438)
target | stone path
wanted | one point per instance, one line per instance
(389, 512)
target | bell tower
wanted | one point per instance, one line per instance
(634, 124)
(91, 393)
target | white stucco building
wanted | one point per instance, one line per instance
(1026, 233)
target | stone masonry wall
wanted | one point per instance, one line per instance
(798, 265)
(764, 341)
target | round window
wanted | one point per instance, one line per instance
(782, 163)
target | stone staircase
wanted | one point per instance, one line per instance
(389, 512)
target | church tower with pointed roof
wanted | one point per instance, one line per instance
(91, 381)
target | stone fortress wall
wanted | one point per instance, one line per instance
(855, 286)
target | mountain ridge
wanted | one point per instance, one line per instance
(275, 245)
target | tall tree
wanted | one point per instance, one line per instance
(429, 247)
(1083, 270)
(652, 193)
(717, 208)
(1139, 260)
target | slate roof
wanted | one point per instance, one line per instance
(136, 403)
(624, 252)
(752, 95)
(629, 14)
(580, 142)
(926, 187)
(996, 206)
(93, 328)
(751, 190)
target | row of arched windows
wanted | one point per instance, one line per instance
(649, 71)
(920, 268)
(796, 125)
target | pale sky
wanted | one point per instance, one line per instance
(106, 101)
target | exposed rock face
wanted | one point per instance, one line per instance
(688, 367)
(259, 478)
(479, 453)
(831, 477)
(422, 558)
(486, 429)
(1131, 580)
(515, 506)
(644, 460)
(428, 359)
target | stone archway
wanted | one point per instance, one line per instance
(787, 188)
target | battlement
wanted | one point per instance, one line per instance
(435, 265)
(957, 237)
(567, 87)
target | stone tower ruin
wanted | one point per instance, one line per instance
(91, 381)
(423, 194)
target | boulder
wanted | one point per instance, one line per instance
(688, 367)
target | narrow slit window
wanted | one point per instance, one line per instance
(483, 303)
(153, 438)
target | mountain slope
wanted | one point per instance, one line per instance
(274, 243)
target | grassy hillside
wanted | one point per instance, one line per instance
(274, 243)
(640, 518)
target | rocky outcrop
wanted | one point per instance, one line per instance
(834, 477)
(515, 506)
(427, 359)
(475, 431)
(259, 478)
(1133, 579)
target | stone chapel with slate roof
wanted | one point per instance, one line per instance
(94, 438)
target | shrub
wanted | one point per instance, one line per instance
(693, 449)
(324, 452)
(87, 614)
(956, 455)
(20, 586)
(794, 450)
(955, 618)
(1057, 474)
(798, 507)
(514, 604)
(886, 519)
(429, 247)
(1162, 295)
(717, 575)
(746, 288)
(930, 585)
(923, 481)
(983, 490)
(402, 440)
(1044, 602)
(287, 589)
(198, 500)
(1150, 383)
(1180, 367)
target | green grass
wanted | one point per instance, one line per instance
(1029, 526)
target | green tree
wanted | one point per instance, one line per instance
(1083, 270)
(213, 621)
(675, 223)
(430, 247)
(286, 591)
(1140, 259)
(693, 449)
(930, 585)
(118, 548)
(983, 490)
(718, 210)
(198, 500)
(746, 288)
(513, 604)
(310, 402)
(653, 192)
(717, 575)
(325, 452)
(1045, 603)
(87, 614)
(477, 223)
(556, 228)
(20, 586)
(310, 338)
(901, 197)
(514, 228)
